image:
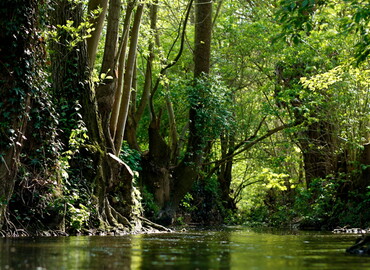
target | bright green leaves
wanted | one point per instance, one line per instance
(300, 18)
(78, 216)
(346, 89)
(272, 179)
(323, 81)
(131, 157)
(75, 33)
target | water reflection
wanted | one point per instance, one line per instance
(199, 250)
(66, 253)
(234, 248)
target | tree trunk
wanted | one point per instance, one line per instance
(136, 112)
(127, 83)
(318, 147)
(318, 139)
(111, 182)
(187, 171)
(97, 23)
(156, 173)
(225, 174)
(21, 54)
(105, 91)
(122, 52)
(66, 78)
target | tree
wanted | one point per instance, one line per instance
(111, 181)
(21, 53)
(187, 171)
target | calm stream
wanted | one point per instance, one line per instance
(229, 248)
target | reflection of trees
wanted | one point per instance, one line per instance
(234, 249)
(203, 250)
(67, 253)
(268, 251)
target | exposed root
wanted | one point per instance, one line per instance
(149, 224)
(112, 221)
(14, 233)
(120, 218)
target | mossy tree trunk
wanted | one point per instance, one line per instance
(111, 183)
(117, 204)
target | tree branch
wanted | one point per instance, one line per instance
(247, 144)
(172, 63)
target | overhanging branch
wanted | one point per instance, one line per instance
(247, 144)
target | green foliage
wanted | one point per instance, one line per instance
(331, 207)
(76, 34)
(324, 205)
(77, 204)
(79, 217)
(296, 17)
(77, 197)
(203, 203)
(300, 18)
(77, 139)
(212, 101)
(315, 204)
(22, 78)
(151, 209)
(306, 74)
(131, 157)
(187, 203)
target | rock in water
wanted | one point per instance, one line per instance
(361, 246)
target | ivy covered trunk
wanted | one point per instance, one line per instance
(68, 80)
(21, 52)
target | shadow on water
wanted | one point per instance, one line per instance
(229, 248)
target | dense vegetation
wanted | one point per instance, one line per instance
(115, 114)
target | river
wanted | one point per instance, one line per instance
(227, 248)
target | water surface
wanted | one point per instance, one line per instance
(229, 248)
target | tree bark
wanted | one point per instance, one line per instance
(319, 150)
(97, 23)
(317, 140)
(105, 91)
(122, 52)
(131, 59)
(225, 174)
(187, 171)
(66, 78)
(112, 178)
(136, 113)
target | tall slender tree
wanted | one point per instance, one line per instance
(187, 171)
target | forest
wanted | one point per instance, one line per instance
(138, 115)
